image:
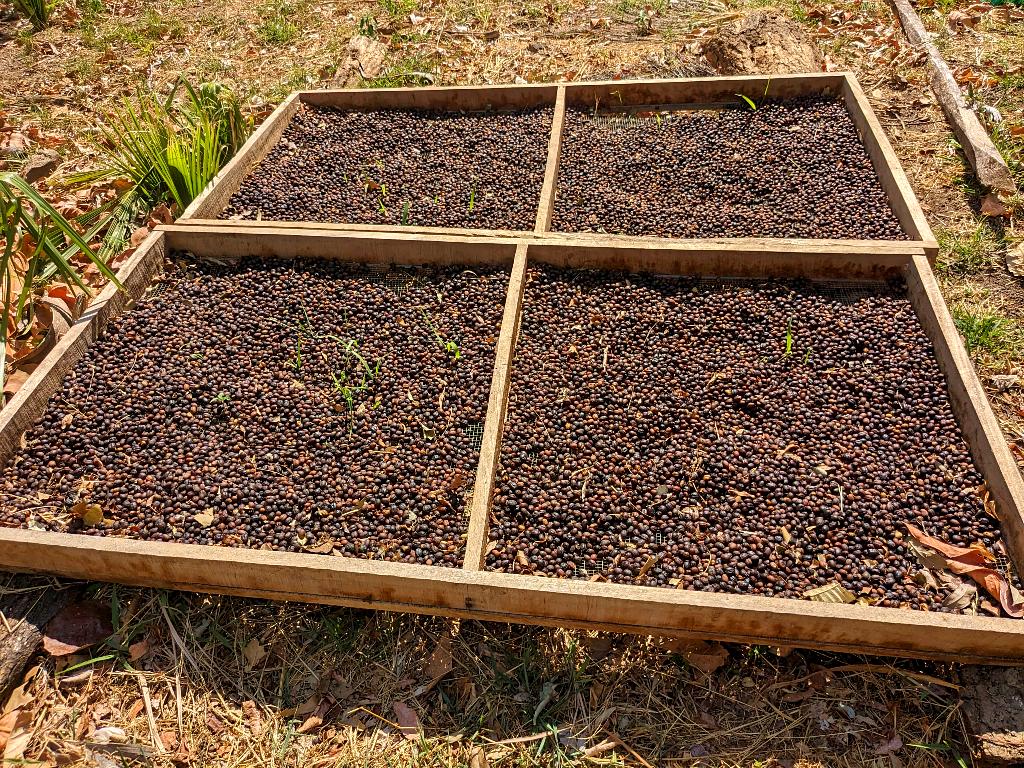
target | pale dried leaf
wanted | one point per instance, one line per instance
(109, 735)
(309, 724)
(833, 592)
(440, 661)
(137, 650)
(18, 735)
(254, 653)
(890, 746)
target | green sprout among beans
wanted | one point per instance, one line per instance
(450, 346)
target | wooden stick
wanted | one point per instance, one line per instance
(988, 164)
(550, 189)
(494, 426)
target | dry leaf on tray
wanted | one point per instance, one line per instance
(973, 562)
(833, 592)
(90, 514)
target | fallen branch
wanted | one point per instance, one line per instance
(988, 164)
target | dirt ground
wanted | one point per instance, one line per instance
(198, 680)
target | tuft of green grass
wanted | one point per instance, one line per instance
(367, 25)
(157, 27)
(276, 29)
(985, 331)
(965, 253)
(396, 8)
(36, 11)
(407, 72)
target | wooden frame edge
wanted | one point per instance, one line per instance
(494, 425)
(984, 436)
(474, 593)
(215, 196)
(514, 598)
(888, 168)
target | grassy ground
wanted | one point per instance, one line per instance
(227, 682)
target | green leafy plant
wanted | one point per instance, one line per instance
(789, 338)
(750, 102)
(38, 244)
(36, 11)
(169, 148)
(985, 331)
(349, 385)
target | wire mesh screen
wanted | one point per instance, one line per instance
(389, 277)
(846, 291)
(475, 433)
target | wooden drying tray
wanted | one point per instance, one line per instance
(616, 94)
(472, 592)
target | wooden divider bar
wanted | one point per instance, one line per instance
(550, 189)
(797, 249)
(736, 259)
(887, 167)
(494, 425)
(971, 407)
(233, 241)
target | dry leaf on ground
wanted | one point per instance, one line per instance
(17, 737)
(408, 721)
(78, 626)
(440, 661)
(254, 653)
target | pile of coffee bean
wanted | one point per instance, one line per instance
(402, 167)
(794, 168)
(734, 436)
(299, 406)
